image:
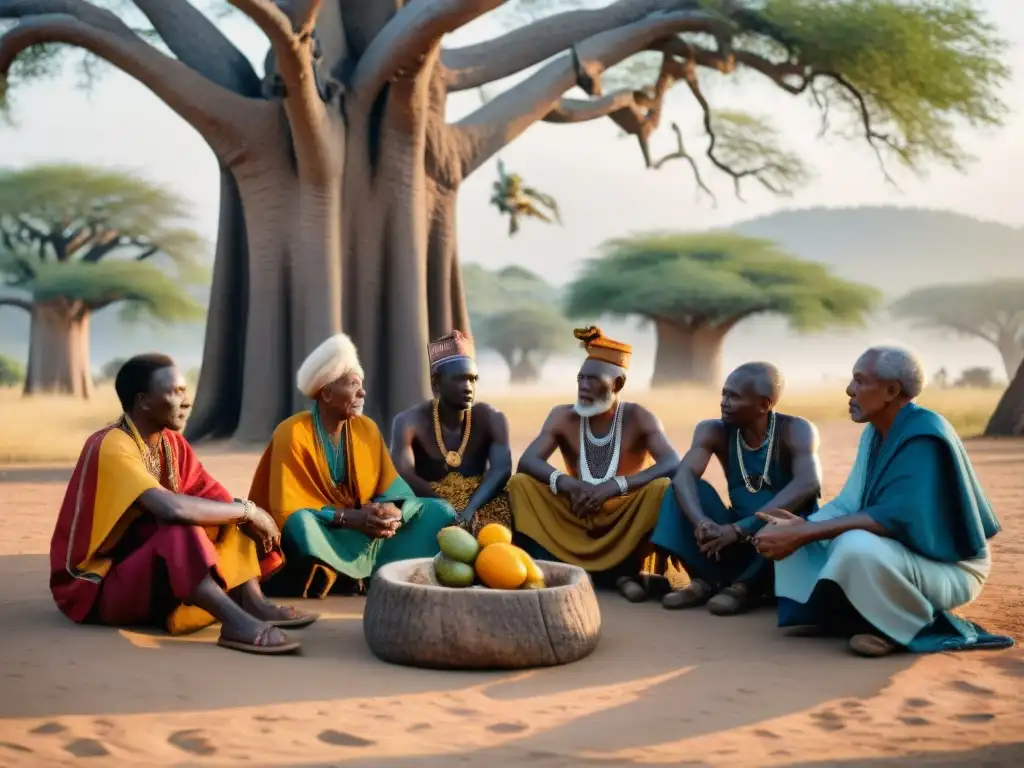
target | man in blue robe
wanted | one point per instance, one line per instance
(904, 542)
(770, 461)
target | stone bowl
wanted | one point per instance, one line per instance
(412, 620)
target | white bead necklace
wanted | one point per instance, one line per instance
(614, 434)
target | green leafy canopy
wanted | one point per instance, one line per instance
(714, 279)
(513, 309)
(97, 237)
(981, 309)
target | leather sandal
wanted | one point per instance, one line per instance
(631, 589)
(694, 594)
(730, 601)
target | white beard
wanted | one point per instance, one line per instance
(596, 408)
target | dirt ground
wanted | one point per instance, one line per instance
(682, 689)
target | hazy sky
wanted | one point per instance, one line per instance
(597, 177)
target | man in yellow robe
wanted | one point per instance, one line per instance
(327, 479)
(147, 536)
(600, 512)
(453, 448)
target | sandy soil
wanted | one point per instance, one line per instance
(662, 688)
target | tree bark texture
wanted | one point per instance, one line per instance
(1008, 419)
(687, 354)
(58, 361)
(339, 173)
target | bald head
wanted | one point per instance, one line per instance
(764, 380)
(750, 392)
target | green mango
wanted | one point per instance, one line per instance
(458, 544)
(451, 572)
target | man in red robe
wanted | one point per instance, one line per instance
(146, 536)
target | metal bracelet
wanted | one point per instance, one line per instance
(553, 481)
(247, 508)
(623, 485)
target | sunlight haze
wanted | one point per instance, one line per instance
(597, 177)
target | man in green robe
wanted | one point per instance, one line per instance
(904, 543)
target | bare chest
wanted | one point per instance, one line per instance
(602, 452)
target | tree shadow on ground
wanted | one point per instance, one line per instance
(995, 756)
(679, 674)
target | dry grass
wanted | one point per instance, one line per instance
(52, 429)
(680, 410)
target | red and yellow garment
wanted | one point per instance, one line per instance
(99, 507)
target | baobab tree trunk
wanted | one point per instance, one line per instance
(1011, 349)
(58, 359)
(524, 371)
(345, 166)
(688, 355)
(1008, 419)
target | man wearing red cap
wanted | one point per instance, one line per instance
(451, 447)
(598, 513)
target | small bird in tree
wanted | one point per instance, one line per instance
(512, 198)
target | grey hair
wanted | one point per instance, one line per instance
(606, 369)
(765, 380)
(893, 362)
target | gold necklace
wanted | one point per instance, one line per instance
(151, 455)
(451, 458)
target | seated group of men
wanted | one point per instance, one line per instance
(146, 535)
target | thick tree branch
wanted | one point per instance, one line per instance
(408, 38)
(494, 125)
(475, 65)
(10, 301)
(292, 45)
(584, 110)
(271, 20)
(80, 9)
(197, 42)
(219, 115)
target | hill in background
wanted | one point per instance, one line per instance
(894, 248)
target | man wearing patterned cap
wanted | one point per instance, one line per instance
(451, 447)
(327, 479)
(598, 513)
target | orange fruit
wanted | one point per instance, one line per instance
(534, 575)
(494, 533)
(500, 566)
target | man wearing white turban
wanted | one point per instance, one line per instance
(327, 479)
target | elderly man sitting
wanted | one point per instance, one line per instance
(904, 542)
(328, 480)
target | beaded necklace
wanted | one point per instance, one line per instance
(769, 441)
(334, 454)
(614, 438)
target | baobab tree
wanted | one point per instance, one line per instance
(993, 311)
(696, 288)
(340, 171)
(76, 240)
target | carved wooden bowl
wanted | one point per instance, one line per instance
(410, 619)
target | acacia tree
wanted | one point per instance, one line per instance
(696, 288)
(515, 313)
(992, 311)
(340, 171)
(74, 240)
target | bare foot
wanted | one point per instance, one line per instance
(871, 645)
